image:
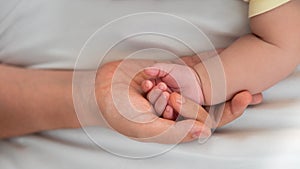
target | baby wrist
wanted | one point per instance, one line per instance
(204, 81)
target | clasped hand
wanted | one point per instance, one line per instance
(125, 109)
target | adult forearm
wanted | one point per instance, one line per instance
(35, 100)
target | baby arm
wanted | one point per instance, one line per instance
(254, 62)
(259, 60)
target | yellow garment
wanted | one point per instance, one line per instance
(257, 7)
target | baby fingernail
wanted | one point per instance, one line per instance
(161, 86)
(168, 109)
(147, 84)
(166, 95)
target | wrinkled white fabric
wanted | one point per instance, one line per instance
(50, 34)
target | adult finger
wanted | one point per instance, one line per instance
(256, 99)
(189, 109)
(235, 108)
(170, 132)
(139, 122)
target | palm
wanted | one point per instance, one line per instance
(118, 86)
(122, 103)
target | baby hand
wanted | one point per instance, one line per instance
(158, 96)
(168, 78)
(178, 78)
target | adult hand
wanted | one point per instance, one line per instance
(123, 106)
(220, 115)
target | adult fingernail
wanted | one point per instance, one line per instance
(256, 100)
(196, 134)
(237, 112)
(202, 134)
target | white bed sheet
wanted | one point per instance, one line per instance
(265, 137)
